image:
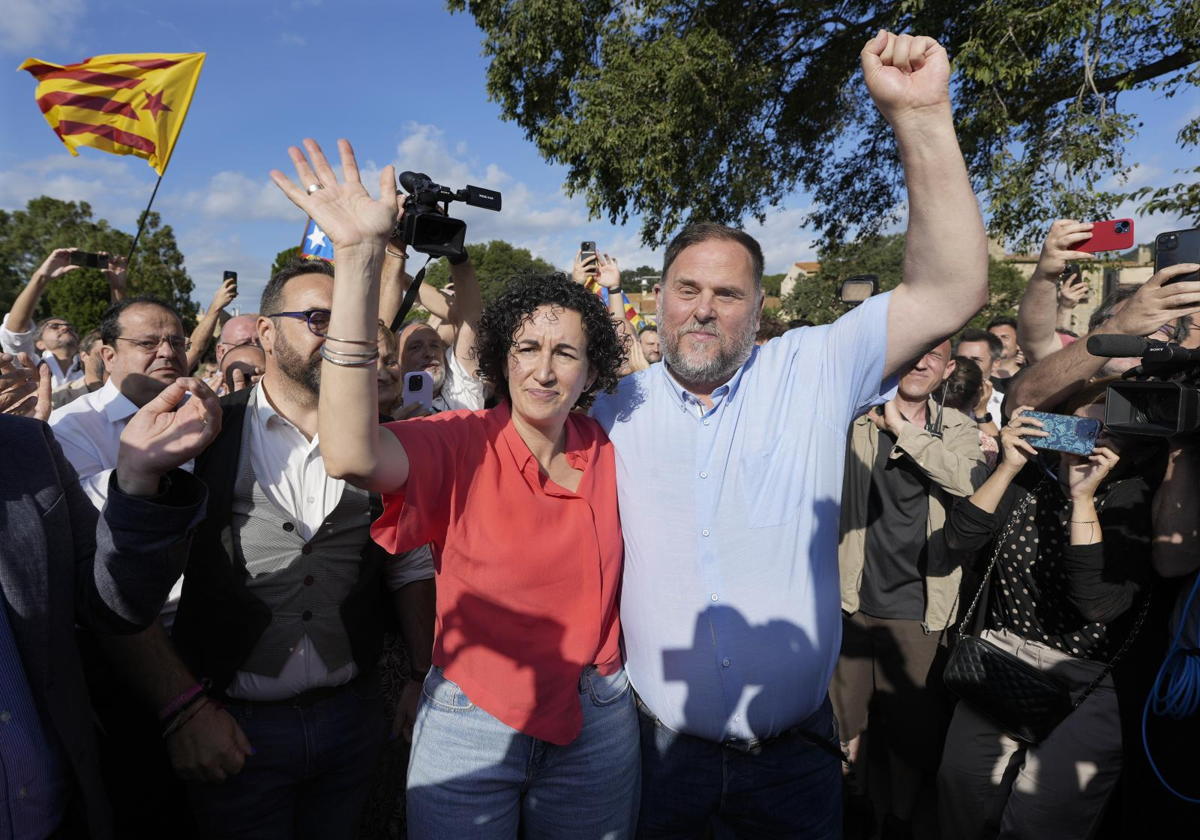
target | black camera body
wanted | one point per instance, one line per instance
(1161, 397)
(428, 230)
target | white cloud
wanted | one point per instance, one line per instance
(28, 24)
(234, 197)
(106, 183)
(209, 254)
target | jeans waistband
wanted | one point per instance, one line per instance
(751, 746)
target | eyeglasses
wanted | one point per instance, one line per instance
(253, 342)
(151, 344)
(318, 319)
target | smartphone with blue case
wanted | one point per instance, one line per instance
(1067, 433)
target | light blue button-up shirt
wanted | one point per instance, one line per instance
(730, 602)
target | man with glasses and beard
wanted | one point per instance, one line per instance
(281, 620)
(730, 461)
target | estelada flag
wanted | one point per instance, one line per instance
(127, 104)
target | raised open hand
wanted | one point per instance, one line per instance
(610, 274)
(345, 211)
(164, 435)
(905, 74)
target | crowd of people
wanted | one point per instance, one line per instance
(706, 580)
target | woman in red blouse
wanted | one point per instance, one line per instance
(526, 718)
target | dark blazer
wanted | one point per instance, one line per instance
(219, 618)
(62, 563)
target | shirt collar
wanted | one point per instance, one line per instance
(576, 447)
(117, 407)
(264, 413)
(729, 389)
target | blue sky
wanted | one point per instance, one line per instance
(403, 80)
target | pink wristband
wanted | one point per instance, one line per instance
(179, 702)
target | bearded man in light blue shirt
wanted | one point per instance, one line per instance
(730, 461)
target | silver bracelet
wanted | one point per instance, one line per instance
(363, 363)
(373, 343)
(370, 353)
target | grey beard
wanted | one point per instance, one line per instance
(718, 369)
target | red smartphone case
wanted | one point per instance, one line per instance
(1113, 235)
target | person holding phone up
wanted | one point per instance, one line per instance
(55, 341)
(526, 720)
(1070, 580)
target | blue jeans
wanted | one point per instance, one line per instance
(470, 775)
(784, 787)
(311, 774)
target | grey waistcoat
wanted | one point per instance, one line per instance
(303, 583)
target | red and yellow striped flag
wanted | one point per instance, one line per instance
(127, 104)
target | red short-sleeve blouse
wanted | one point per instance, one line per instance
(527, 571)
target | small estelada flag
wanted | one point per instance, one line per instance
(315, 245)
(126, 104)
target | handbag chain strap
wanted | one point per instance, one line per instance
(1014, 522)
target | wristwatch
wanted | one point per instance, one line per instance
(984, 418)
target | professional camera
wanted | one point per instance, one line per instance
(1161, 396)
(432, 232)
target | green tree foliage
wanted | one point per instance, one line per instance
(28, 236)
(773, 284)
(496, 262)
(284, 259)
(816, 297)
(716, 109)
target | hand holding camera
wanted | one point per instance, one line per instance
(60, 262)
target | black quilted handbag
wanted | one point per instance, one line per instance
(1015, 695)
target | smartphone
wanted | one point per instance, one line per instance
(418, 388)
(87, 260)
(588, 250)
(1175, 247)
(230, 275)
(1114, 235)
(1067, 433)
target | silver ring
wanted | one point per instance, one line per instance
(312, 188)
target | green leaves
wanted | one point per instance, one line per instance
(495, 262)
(716, 109)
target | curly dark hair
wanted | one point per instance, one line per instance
(503, 317)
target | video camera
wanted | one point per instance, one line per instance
(432, 232)
(1161, 396)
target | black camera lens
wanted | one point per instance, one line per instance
(1122, 227)
(415, 382)
(1168, 242)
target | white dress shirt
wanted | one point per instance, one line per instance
(14, 343)
(459, 389)
(291, 473)
(89, 431)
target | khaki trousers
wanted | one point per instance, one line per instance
(991, 785)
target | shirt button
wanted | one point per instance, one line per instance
(306, 550)
(704, 475)
(705, 532)
(737, 717)
(306, 615)
(705, 422)
(308, 580)
(5, 717)
(714, 596)
(311, 500)
(288, 526)
(725, 662)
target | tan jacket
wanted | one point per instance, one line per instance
(955, 466)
